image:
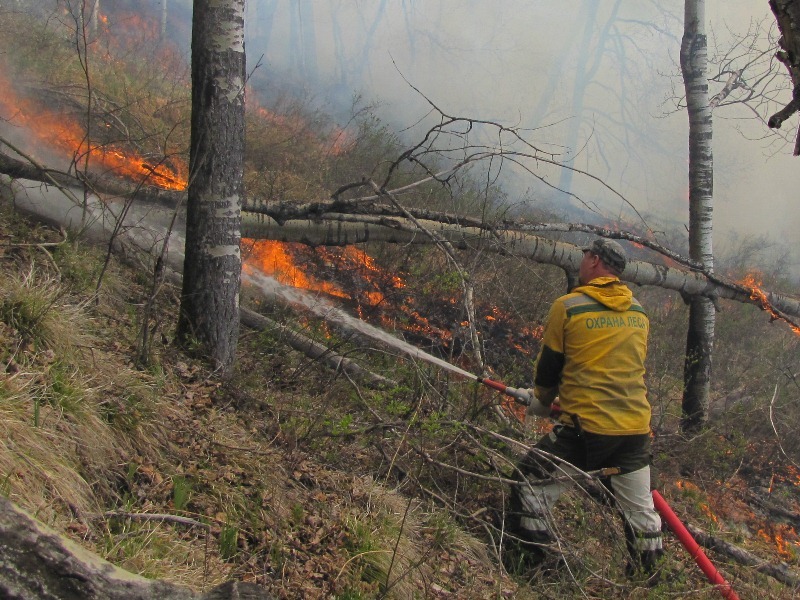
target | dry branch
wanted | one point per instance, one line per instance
(466, 283)
(781, 572)
(314, 350)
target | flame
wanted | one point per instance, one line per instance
(753, 282)
(280, 260)
(274, 259)
(59, 131)
(783, 537)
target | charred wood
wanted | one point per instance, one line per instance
(780, 572)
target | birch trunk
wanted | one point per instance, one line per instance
(700, 335)
(362, 229)
(209, 314)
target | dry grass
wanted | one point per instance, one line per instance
(82, 433)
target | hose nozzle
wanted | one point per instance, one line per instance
(521, 395)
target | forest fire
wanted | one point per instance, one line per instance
(57, 131)
(368, 284)
(753, 283)
(382, 298)
(348, 274)
(338, 141)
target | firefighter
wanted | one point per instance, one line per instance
(592, 363)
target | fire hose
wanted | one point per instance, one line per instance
(693, 547)
(670, 518)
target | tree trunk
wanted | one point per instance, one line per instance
(163, 20)
(36, 563)
(587, 66)
(787, 15)
(700, 335)
(209, 314)
(95, 14)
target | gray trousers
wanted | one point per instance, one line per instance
(542, 481)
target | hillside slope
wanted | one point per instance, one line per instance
(289, 475)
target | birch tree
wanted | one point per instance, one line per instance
(700, 334)
(209, 314)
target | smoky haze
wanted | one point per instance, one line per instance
(596, 82)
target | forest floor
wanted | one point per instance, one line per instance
(286, 468)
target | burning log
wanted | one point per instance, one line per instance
(780, 572)
(111, 185)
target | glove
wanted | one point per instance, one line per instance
(536, 408)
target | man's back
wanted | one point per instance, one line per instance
(598, 334)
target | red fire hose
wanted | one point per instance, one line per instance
(521, 395)
(661, 505)
(693, 547)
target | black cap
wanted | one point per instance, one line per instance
(610, 252)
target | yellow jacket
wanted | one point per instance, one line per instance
(592, 358)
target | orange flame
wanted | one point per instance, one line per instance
(753, 283)
(278, 260)
(783, 537)
(273, 258)
(58, 131)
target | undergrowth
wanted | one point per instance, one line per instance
(299, 479)
(310, 482)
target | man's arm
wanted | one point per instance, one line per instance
(548, 375)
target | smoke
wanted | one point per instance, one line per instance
(595, 83)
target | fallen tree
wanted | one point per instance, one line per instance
(341, 222)
(36, 563)
(342, 230)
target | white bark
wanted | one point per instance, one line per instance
(342, 230)
(700, 334)
(212, 271)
